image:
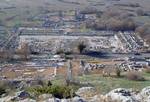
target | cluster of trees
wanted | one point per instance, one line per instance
(144, 32)
(77, 46)
(24, 52)
(8, 54)
(114, 21)
(113, 24)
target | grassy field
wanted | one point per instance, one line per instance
(106, 84)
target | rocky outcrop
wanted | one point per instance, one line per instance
(18, 96)
(116, 95)
(145, 94)
(98, 98)
(87, 94)
(45, 96)
(77, 99)
(121, 95)
(6, 99)
(28, 100)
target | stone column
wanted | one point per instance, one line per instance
(82, 65)
(55, 69)
(69, 72)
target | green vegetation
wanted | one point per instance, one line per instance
(118, 72)
(2, 91)
(56, 90)
(106, 84)
(81, 47)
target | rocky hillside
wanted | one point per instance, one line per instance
(84, 94)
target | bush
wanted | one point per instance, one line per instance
(118, 72)
(55, 90)
(81, 47)
(61, 91)
(60, 51)
(49, 83)
(135, 76)
(68, 53)
(2, 91)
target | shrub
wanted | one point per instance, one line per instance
(49, 83)
(40, 82)
(61, 91)
(2, 90)
(81, 47)
(68, 52)
(60, 51)
(118, 72)
(135, 76)
(55, 90)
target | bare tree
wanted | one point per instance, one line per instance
(81, 47)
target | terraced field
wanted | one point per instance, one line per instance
(18, 10)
